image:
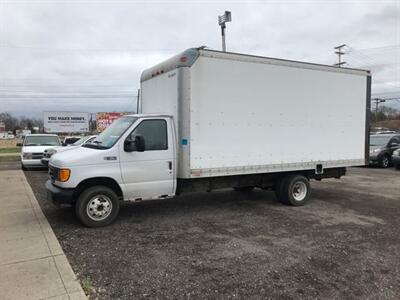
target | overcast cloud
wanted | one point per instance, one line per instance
(92, 52)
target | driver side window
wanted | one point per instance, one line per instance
(154, 133)
(394, 140)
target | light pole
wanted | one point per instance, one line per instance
(226, 17)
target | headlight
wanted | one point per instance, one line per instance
(375, 150)
(27, 155)
(49, 153)
(64, 174)
(397, 152)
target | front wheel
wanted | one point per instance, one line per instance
(97, 206)
(294, 190)
(385, 161)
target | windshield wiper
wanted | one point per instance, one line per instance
(94, 146)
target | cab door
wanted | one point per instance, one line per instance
(149, 173)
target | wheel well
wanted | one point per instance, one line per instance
(105, 181)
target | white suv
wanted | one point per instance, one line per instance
(33, 147)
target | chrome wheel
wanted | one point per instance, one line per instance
(99, 207)
(385, 161)
(299, 191)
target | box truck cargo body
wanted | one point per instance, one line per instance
(241, 114)
(210, 120)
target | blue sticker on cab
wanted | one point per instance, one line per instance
(184, 142)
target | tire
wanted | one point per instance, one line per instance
(24, 168)
(384, 162)
(97, 206)
(279, 188)
(244, 189)
(397, 167)
(294, 190)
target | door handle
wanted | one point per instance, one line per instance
(170, 165)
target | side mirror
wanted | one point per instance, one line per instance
(140, 145)
(19, 144)
(136, 145)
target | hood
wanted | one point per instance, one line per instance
(83, 156)
(64, 148)
(35, 149)
(372, 148)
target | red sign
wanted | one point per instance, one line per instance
(104, 119)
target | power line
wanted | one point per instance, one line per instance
(380, 48)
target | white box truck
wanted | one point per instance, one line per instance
(210, 120)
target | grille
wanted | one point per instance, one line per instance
(37, 155)
(53, 173)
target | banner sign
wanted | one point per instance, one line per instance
(65, 121)
(104, 119)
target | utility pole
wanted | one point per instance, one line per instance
(377, 101)
(226, 17)
(381, 100)
(339, 52)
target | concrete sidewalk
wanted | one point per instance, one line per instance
(32, 263)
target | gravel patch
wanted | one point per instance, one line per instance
(344, 244)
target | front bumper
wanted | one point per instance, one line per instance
(45, 161)
(59, 195)
(31, 162)
(373, 159)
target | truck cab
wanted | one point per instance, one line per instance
(133, 159)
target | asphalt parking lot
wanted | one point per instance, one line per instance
(344, 244)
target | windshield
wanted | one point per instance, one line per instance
(109, 137)
(41, 140)
(80, 141)
(376, 140)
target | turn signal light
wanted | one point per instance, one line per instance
(63, 175)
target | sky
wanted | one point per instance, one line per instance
(88, 55)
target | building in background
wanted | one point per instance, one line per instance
(2, 126)
(20, 133)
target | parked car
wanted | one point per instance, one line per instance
(7, 135)
(396, 159)
(385, 132)
(69, 140)
(381, 148)
(51, 151)
(33, 147)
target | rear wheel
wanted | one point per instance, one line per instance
(97, 206)
(385, 161)
(293, 190)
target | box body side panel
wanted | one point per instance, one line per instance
(249, 118)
